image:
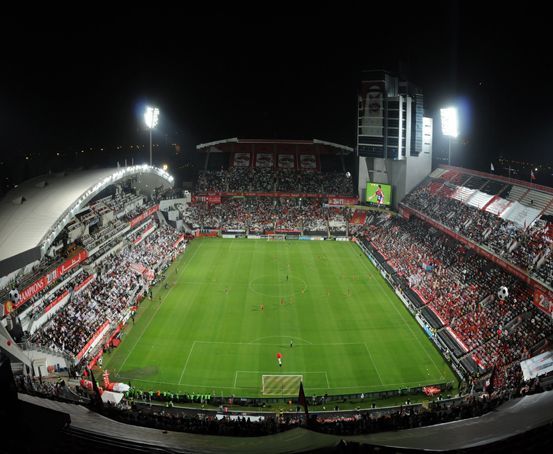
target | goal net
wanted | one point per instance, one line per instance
(277, 385)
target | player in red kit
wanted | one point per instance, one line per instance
(379, 196)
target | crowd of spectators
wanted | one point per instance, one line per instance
(529, 247)
(263, 214)
(67, 287)
(108, 296)
(249, 179)
(461, 287)
(350, 422)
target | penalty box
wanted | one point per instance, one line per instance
(271, 384)
(229, 364)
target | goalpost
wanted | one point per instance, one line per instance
(281, 385)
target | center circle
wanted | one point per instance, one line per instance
(269, 285)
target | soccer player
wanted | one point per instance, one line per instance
(291, 343)
(379, 196)
(262, 307)
(279, 362)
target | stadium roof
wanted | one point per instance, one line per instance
(34, 213)
(212, 146)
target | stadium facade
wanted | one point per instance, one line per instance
(394, 138)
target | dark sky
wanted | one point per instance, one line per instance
(68, 84)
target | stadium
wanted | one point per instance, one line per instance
(288, 301)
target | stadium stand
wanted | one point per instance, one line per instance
(120, 243)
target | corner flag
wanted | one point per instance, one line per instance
(302, 400)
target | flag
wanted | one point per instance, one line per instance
(492, 167)
(97, 401)
(532, 176)
(488, 386)
(302, 400)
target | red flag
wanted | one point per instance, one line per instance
(97, 400)
(302, 400)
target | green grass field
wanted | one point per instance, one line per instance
(234, 304)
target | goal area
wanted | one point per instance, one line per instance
(280, 385)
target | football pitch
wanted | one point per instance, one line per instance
(231, 306)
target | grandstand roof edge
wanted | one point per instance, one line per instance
(46, 210)
(277, 141)
(216, 142)
(491, 176)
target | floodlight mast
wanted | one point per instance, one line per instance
(151, 116)
(450, 127)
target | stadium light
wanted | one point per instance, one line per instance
(151, 116)
(450, 126)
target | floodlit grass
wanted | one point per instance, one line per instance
(234, 304)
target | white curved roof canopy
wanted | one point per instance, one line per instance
(33, 214)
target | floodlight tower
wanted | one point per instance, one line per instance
(450, 126)
(151, 116)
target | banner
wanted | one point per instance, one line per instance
(342, 201)
(371, 108)
(180, 239)
(308, 161)
(286, 161)
(288, 195)
(431, 390)
(264, 160)
(241, 160)
(7, 307)
(543, 300)
(537, 366)
(56, 301)
(211, 199)
(84, 283)
(149, 274)
(94, 339)
(145, 233)
(144, 215)
(52, 276)
(138, 268)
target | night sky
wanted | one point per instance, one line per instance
(81, 84)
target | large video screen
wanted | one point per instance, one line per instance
(379, 194)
